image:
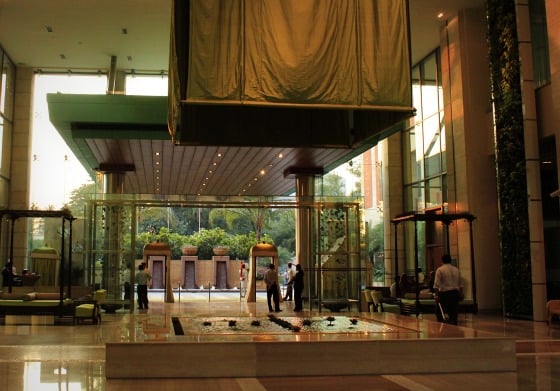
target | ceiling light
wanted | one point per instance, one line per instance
(440, 15)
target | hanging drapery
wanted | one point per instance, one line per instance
(45, 263)
(344, 54)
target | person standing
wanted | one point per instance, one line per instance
(448, 289)
(8, 275)
(242, 280)
(298, 288)
(271, 281)
(142, 279)
(290, 282)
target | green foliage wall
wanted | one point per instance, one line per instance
(510, 158)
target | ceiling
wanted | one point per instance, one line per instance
(84, 35)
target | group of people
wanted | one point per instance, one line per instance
(294, 286)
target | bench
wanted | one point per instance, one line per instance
(34, 303)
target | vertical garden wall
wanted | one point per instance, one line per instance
(510, 158)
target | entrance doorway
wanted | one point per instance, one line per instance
(157, 269)
(188, 276)
(221, 275)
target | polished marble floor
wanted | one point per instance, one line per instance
(66, 357)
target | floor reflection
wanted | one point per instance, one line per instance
(52, 375)
(36, 358)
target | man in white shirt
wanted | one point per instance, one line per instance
(290, 283)
(448, 289)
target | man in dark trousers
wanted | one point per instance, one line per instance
(142, 279)
(448, 289)
(271, 281)
(290, 283)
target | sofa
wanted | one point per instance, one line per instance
(34, 303)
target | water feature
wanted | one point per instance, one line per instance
(280, 325)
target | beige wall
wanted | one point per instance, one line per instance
(21, 158)
(469, 136)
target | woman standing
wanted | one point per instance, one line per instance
(298, 288)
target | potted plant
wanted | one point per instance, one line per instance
(220, 250)
(189, 249)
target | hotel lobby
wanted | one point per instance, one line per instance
(427, 128)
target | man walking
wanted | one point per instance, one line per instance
(271, 281)
(448, 289)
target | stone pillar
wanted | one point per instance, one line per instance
(391, 171)
(532, 165)
(20, 175)
(471, 173)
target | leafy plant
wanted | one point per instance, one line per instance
(510, 157)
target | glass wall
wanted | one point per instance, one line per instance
(539, 40)
(424, 151)
(424, 141)
(146, 84)
(53, 164)
(336, 270)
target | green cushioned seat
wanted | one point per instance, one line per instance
(89, 309)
